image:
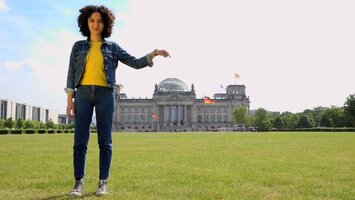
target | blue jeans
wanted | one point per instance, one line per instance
(86, 98)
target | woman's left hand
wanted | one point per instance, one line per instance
(158, 52)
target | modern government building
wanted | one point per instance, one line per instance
(174, 107)
(16, 110)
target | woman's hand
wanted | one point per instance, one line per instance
(157, 52)
(70, 107)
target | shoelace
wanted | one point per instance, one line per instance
(102, 185)
(77, 186)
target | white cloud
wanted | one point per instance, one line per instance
(3, 80)
(3, 6)
(45, 69)
(50, 58)
(15, 65)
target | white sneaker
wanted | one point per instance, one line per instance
(102, 188)
(78, 188)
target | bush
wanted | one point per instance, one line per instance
(4, 131)
(345, 129)
(16, 131)
(60, 131)
(42, 131)
(51, 131)
(30, 131)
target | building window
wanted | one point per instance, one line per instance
(213, 118)
(225, 118)
(199, 118)
(167, 114)
(174, 113)
(181, 115)
(47, 115)
(206, 118)
(219, 118)
(36, 114)
(3, 110)
(123, 119)
(20, 111)
(129, 118)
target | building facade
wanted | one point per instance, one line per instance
(24, 111)
(174, 107)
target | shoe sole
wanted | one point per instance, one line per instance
(75, 194)
(100, 194)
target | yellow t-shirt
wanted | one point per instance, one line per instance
(94, 73)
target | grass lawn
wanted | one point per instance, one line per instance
(185, 166)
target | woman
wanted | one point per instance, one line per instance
(90, 84)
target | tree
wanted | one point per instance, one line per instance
(289, 120)
(305, 121)
(349, 108)
(240, 115)
(333, 117)
(262, 120)
(41, 125)
(317, 112)
(9, 123)
(20, 123)
(61, 126)
(50, 124)
(2, 123)
(29, 124)
(278, 123)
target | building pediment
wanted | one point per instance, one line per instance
(174, 97)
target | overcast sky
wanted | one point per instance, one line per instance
(290, 55)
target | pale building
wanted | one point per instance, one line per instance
(174, 107)
(24, 111)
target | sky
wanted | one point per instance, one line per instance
(290, 55)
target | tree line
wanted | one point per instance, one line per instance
(333, 117)
(29, 124)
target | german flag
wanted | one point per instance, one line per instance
(207, 100)
(155, 116)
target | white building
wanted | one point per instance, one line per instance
(24, 111)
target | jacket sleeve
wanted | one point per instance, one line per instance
(71, 72)
(136, 63)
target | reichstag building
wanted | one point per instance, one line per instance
(174, 107)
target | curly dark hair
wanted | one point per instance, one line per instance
(107, 17)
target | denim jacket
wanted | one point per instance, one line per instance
(111, 52)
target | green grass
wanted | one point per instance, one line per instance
(185, 166)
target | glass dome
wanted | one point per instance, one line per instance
(172, 85)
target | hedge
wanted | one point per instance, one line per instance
(16, 131)
(320, 129)
(30, 131)
(51, 131)
(42, 131)
(4, 131)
